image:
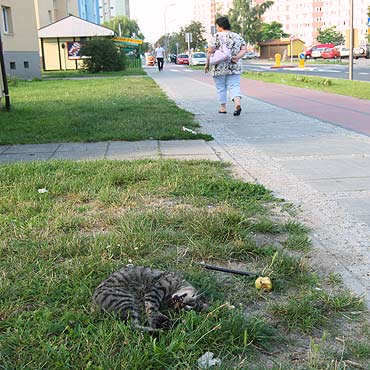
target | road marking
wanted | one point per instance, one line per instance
(174, 70)
(188, 70)
(363, 73)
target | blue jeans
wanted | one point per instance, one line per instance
(226, 83)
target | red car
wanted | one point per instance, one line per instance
(182, 59)
(330, 53)
(308, 54)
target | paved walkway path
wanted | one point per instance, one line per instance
(320, 167)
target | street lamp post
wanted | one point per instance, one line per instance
(165, 25)
(4, 78)
(350, 64)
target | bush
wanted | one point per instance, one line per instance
(103, 55)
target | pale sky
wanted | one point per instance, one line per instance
(150, 15)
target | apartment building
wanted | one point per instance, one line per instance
(50, 11)
(303, 18)
(109, 9)
(204, 12)
(89, 10)
(19, 36)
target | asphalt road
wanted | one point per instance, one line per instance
(361, 70)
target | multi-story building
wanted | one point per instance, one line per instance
(89, 10)
(19, 37)
(109, 9)
(300, 18)
(205, 12)
(50, 11)
(303, 18)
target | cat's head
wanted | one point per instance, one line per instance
(188, 299)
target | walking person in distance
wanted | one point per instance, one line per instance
(159, 56)
(226, 70)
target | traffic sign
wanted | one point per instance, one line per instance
(292, 38)
(368, 22)
(301, 56)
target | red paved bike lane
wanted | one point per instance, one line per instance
(345, 111)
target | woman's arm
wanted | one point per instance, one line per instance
(237, 57)
(210, 52)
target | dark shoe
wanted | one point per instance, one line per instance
(237, 110)
(222, 111)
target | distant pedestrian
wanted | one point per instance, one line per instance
(226, 73)
(159, 55)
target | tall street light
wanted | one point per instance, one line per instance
(165, 25)
(350, 64)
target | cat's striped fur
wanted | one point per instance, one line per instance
(139, 294)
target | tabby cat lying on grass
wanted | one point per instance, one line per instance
(140, 294)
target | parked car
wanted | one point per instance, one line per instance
(308, 53)
(317, 53)
(198, 59)
(330, 53)
(250, 55)
(182, 59)
(343, 51)
(363, 51)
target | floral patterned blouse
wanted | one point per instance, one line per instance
(234, 42)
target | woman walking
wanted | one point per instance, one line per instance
(226, 74)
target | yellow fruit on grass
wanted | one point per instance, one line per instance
(263, 283)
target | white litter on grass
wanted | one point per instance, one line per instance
(42, 191)
(188, 130)
(207, 360)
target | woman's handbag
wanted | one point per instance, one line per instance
(223, 54)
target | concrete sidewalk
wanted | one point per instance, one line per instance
(321, 168)
(121, 150)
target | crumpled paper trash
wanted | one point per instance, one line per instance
(42, 191)
(207, 360)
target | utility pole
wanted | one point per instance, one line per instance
(350, 64)
(3, 74)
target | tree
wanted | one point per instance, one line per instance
(129, 27)
(330, 35)
(102, 54)
(272, 31)
(198, 41)
(246, 19)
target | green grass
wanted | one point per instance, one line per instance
(92, 110)
(82, 73)
(98, 216)
(357, 89)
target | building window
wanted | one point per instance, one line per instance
(12, 65)
(7, 19)
(54, 4)
(50, 16)
(26, 64)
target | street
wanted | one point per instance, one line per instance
(361, 69)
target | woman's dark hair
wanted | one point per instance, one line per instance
(223, 22)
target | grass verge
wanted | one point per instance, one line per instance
(97, 216)
(357, 89)
(92, 110)
(82, 73)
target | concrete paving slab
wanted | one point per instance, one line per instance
(82, 147)
(78, 155)
(274, 132)
(189, 157)
(24, 157)
(31, 148)
(313, 169)
(185, 147)
(131, 149)
(341, 184)
(314, 145)
(3, 148)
